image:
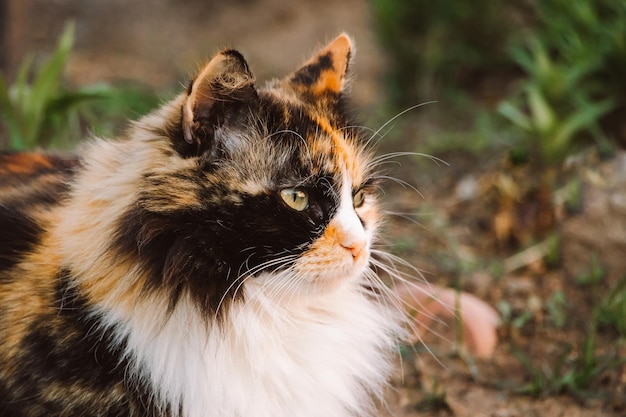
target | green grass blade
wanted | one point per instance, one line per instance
(9, 118)
(542, 115)
(47, 84)
(582, 119)
(517, 117)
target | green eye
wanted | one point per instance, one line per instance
(295, 198)
(359, 198)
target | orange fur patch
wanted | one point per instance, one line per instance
(343, 151)
(332, 79)
(25, 301)
(24, 163)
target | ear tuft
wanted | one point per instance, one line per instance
(325, 73)
(224, 83)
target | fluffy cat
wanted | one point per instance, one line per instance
(213, 261)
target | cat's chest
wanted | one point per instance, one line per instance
(268, 360)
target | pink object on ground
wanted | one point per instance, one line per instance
(426, 303)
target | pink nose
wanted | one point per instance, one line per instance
(355, 248)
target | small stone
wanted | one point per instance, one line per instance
(618, 202)
(466, 188)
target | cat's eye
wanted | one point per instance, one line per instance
(295, 198)
(359, 198)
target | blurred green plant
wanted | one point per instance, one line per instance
(592, 276)
(557, 308)
(37, 109)
(117, 105)
(588, 31)
(553, 106)
(439, 45)
(434, 398)
(572, 372)
(612, 309)
(574, 62)
(580, 363)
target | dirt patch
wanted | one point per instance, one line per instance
(528, 373)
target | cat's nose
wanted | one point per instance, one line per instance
(349, 233)
(355, 247)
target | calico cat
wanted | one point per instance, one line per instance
(213, 261)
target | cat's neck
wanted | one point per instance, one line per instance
(280, 356)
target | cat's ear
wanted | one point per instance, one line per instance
(223, 86)
(325, 73)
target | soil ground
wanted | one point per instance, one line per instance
(438, 378)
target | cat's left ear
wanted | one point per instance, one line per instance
(221, 88)
(324, 75)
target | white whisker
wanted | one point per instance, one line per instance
(385, 157)
(401, 182)
(410, 217)
(403, 112)
(393, 297)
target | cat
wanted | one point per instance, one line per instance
(215, 260)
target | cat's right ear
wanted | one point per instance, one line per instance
(220, 89)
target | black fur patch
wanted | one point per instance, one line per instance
(19, 235)
(70, 366)
(218, 102)
(309, 74)
(23, 174)
(206, 252)
(233, 53)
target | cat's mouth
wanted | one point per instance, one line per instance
(320, 270)
(331, 267)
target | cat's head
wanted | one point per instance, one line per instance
(270, 185)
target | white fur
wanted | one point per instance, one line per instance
(347, 218)
(322, 358)
(284, 352)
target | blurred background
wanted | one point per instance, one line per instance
(523, 103)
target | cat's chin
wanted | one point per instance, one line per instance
(347, 272)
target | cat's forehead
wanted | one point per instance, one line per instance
(319, 138)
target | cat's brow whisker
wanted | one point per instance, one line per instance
(293, 132)
(416, 213)
(410, 217)
(379, 165)
(377, 137)
(392, 119)
(384, 157)
(401, 182)
(356, 127)
(403, 112)
(305, 181)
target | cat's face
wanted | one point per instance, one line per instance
(268, 186)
